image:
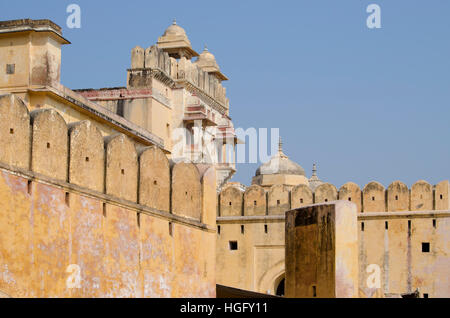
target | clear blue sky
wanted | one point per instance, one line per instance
(364, 104)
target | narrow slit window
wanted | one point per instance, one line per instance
(11, 131)
(386, 225)
(229, 204)
(170, 229)
(242, 229)
(122, 171)
(265, 228)
(87, 159)
(301, 200)
(254, 203)
(138, 219)
(441, 196)
(434, 223)
(409, 224)
(233, 245)
(48, 145)
(67, 199)
(29, 186)
(104, 210)
(362, 226)
(314, 291)
(425, 247)
(278, 202)
(218, 229)
(373, 198)
(396, 197)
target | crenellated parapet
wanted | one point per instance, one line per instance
(374, 197)
(155, 62)
(77, 153)
(118, 212)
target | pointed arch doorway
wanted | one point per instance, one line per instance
(279, 286)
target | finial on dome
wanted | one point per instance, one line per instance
(174, 21)
(206, 48)
(314, 181)
(280, 149)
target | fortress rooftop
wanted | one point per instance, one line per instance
(23, 25)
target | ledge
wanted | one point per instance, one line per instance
(251, 219)
(106, 198)
(28, 25)
(404, 214)
(361, 216)
(102, 115)
(215, 104)
(162, 76)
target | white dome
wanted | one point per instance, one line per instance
(280, 164)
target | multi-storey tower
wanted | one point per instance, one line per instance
(179, 100)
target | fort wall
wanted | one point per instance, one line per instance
(402, 235)
(87, 215)
(406, 251)
(372, 198)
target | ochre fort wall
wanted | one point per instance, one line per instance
(77, 204)
(395, 226)
(373, 198)
(91, 205)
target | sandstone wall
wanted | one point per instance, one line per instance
(322, 251)
(393, 223)
(90, 216)
(278, 199)
(400, 252)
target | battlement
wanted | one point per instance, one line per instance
(174, 72)
(124, 216)
(374, 197)
(42, 142)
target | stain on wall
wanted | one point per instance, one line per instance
(68, 235)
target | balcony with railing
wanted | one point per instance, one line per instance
(199, 112)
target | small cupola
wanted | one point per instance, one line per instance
(175, 42)
(207, 62)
